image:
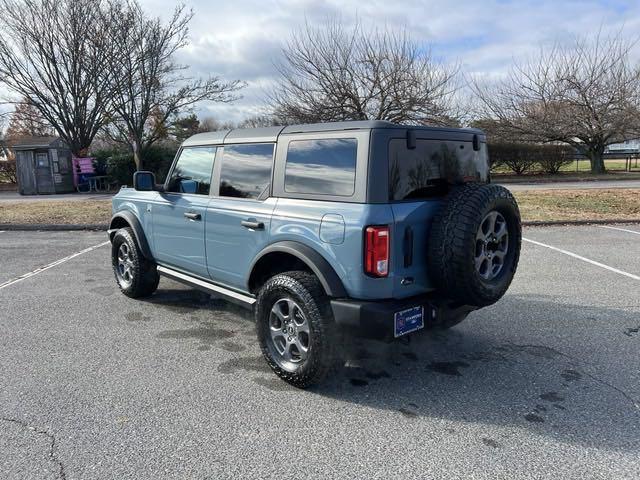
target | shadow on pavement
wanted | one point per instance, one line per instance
(459, 375)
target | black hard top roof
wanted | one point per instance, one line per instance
(270, 134)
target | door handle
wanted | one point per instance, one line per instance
(252, 224)
(193, 216)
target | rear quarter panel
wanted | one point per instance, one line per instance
(300, 220)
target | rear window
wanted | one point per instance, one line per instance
(246, 170)
(421, 172)
(321, 167)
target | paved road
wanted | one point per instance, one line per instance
(604, 184)
(544, 384)
(514, 187)
(16, 197)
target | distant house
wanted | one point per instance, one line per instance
(628, 147)
(43, 166)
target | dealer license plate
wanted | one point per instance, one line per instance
(408, 320)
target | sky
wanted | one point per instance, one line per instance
(242, 39)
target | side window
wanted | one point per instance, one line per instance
(192, 173)
(246, 170)
(324, 167)
(42, 160)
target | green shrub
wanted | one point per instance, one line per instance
(517, 157)
(521, 158)
(158, 159)
(120, 166)
(554, 157)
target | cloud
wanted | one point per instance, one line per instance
(242, 39)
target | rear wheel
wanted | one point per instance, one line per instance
(474, 245)
(136, 276)
(295, 328)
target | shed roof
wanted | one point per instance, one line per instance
(26, 143)
(270, 134)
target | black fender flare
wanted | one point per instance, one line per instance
(317, 263)
(135, 225)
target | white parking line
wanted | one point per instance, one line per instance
(619, 229)
(51, 265)
(592, 262)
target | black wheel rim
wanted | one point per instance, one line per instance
(492, 246)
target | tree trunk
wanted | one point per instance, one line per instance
(596, 156)
(137, 158)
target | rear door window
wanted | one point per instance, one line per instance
(246, 170)
(192, 173)
(322, 167)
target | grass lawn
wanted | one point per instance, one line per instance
(564, 177)
(57, 212)
(549, 205)
(583, 167)
(539, 205)
(611, 165)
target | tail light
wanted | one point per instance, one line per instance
(376, 251)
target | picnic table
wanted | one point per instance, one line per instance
(95, 183)
(98, 183)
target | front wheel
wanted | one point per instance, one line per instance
(295, 328)
(136, 276)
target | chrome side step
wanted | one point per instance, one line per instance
(217, 290)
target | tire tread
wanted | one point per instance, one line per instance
(315, 302)
(453, 232)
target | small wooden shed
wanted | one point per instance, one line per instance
(43, 166)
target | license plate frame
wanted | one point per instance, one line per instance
(408, 321)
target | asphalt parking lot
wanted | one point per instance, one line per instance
(544, 384)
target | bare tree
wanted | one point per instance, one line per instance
(258, 121)
(333, 73)
(54, 53)
(586, 95)
(4, 147)
(151, 88)
(26, 121)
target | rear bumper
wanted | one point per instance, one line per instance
(375, 319)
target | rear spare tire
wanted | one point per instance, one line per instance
(474, 244)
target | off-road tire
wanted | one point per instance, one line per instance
(145, 276)
(452, 244)
(306, 291)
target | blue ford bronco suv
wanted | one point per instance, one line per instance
(322, 229)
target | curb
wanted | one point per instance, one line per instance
(552, 223)
(533, 181)
(47, 227)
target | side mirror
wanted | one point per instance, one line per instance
(144, 181)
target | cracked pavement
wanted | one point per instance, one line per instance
(28, 451)
(544, 384)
